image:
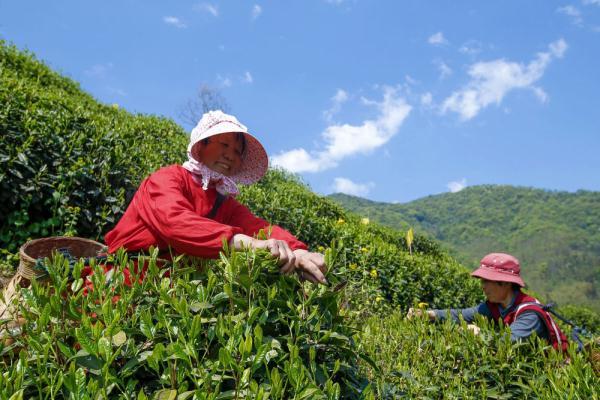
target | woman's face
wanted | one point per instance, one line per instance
(223, 153)
(496, 292)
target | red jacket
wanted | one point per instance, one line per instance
(169, 210)
(522, 303)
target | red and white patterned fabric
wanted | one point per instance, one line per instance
(205, 176)
(254, 161)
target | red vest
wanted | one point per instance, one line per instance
(527, 303)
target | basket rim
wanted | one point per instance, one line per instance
(22, 250)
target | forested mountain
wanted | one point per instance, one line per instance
(556, 235)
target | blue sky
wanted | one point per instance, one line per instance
(388, 100)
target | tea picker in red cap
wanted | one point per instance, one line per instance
(501, 282)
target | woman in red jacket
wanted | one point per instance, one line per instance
(190, 208)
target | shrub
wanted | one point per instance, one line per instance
(68, 161)
(237, 329)
(418, 359)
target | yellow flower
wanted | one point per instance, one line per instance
(378, 299)
(340, 221)
(321, 248)
(365, 221)
(364, 249)
(353, 266)
(422, 305)
(373, 273)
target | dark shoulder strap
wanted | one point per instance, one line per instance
(218, 202)
(493, 307)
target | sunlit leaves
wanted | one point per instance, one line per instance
(238, 328)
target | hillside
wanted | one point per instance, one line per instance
(556, 235)
(231, 327)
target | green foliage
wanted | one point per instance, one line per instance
(237, 329)
(418, 359)
(284, 200)
(581, 316)
(555, 235)
(68, 161)
(376, 264)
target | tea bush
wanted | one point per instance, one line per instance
(419, 359)
(236, 329)
(377, 265)
(68, 161)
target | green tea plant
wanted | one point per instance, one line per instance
(235, 328)
(376, 265)
(419, 359)
(71, 163)
(68, 161)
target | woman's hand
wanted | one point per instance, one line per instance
(279, 249)
(474, 328)
(418, 312)
(311, 266)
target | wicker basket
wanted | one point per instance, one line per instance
(29, 253)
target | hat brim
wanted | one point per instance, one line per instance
(254, 164)
(490, 275)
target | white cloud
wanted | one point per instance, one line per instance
(344, 185)
(98, 70)
(426, 99)
(336, 2)
(596, 2)
(256, 11)
(573, 13)
(457, 186)
(176, 22)
(557, 48)
(209, 8)
(248, 77)
(492, 80)
(344, 140)
(410, 80)
(540, 94)
(437, 39)
(298, 160)
(445, 70)
(340, 97)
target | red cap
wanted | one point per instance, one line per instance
(499, 267)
